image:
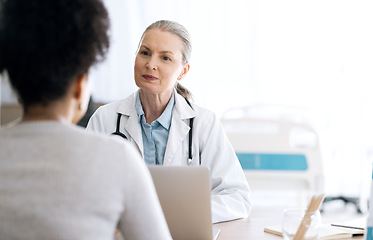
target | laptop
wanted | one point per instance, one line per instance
(184, 194)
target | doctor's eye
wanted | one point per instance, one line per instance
(145, 53)
(166, 58)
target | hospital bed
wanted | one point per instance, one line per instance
(281, 161)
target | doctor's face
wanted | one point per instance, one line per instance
(159, 62)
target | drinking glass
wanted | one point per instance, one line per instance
(292, 219)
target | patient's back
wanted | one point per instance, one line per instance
(60, 182)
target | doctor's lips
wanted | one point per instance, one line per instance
(149, 77)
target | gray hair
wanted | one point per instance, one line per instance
(180, 31)
(177, 29)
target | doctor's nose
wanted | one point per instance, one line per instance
(151, 65)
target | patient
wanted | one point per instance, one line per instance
(58, 181)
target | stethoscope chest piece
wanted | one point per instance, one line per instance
(189, 161)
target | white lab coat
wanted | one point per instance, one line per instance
(229, 188)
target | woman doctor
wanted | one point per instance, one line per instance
(169, 130)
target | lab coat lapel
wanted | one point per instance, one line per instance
(178, 132)
(132, 125)
(179, 128)
(133, 128)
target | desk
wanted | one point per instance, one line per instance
(250, 228)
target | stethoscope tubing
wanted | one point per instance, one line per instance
(190, 149)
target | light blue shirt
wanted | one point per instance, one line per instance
(155, 135)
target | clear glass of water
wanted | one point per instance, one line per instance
(292, 219)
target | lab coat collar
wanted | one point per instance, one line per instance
(127, 106)
(182, 107)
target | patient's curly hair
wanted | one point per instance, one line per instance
(46, 44)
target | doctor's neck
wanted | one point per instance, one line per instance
(154, 104)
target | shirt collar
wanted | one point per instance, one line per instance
(165, 118)
(138, 106)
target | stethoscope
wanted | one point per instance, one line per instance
(189, 161)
